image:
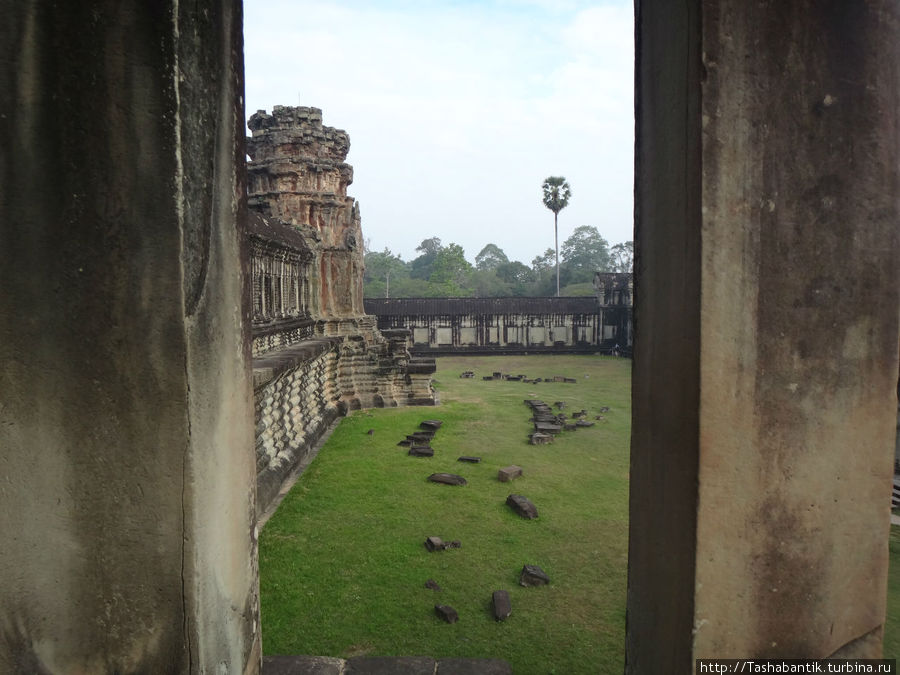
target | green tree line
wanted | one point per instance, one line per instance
(443, 271)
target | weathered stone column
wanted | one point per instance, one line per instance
(766, 329)
(126, 438)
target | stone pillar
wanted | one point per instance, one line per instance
(766, 329)
(127, 469)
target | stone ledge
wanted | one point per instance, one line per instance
(271, 364)
(382, 665)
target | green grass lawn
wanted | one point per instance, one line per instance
(342, 562)
(892, 625)
(343, 565)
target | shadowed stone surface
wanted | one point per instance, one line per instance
(434, 544)
(432, 584)
(538, 438)
(470, 460)
(501, 605)
(305, 665)
(390, 665)
(431, 424)
(447, 479)
(522, 506)
(532, 575)
(447, 613)
(508, 473)
(421, 451)
(473, 667)
(382, 665)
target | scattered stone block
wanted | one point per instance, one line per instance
(501, 605)
(447, 479)
(599, 417)
(604, 409)
(532, 575)
(538, 438)
(514, 378)
(570, 427)
(467, 374)
(434, 544)
(487, 377)
(584, 423)
(447, 613)
(456, 543)
(432, 584)
(498, 375)
(560, 404)
(470, 460)
(538, 379)
(370, 432)
(421, 451)
(523, 506)
(558, 378)
(419, 435)
(579, 413)
(570, 380)
(405, 443)
(547, 428)
(508, 473)
(433, 425)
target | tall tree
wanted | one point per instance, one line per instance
(584, 253)
(622, 256)
(420, 268)
(490, 258)
(450, 270)
(556, 197)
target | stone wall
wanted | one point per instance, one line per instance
(316, 353)
(507, 325)
(127, 498)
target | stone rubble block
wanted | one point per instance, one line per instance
(432, 584)
(522, 506)
(538, 438)
(470, 460)
(532, 575)
(447, 479)
(431, 424)
(501, 605)
(508, 473)
(447, 613)
(421, 451)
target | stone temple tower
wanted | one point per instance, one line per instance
(298, 176)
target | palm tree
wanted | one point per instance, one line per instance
(556, 198)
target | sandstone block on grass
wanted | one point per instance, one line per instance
(421, 451)
(434, 544)
(532, 575)
(501, 605)
(447, 613)
(508, 473)
(447, 479)
(523, 506)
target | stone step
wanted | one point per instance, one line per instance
(382, 665)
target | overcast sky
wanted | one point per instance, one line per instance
(458, 110)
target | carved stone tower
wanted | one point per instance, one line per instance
(298, 175)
